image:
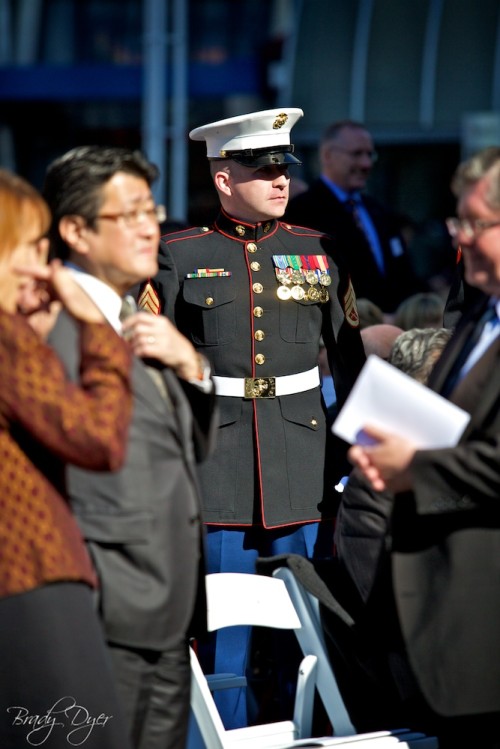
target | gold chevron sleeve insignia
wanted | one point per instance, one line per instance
(350, 308)
(148, 300)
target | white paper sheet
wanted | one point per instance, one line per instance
(386, 398)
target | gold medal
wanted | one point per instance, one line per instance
(298, 293)
(325, 279)
(311, 277)
(324, 296)
(297, 276)
(313, 294)
(284, 292)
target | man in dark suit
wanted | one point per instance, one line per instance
(446, 519)
(142, 524)
(365, 231)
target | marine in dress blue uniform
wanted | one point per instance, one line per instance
(255, 295)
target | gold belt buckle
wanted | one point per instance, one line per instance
(260, 387)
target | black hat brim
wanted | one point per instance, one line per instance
(256, 157)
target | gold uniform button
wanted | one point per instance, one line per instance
(259, 335)
(209, 301)
(260, 359)
(258, 311)
(252, 247)
(255, 265)
(314, 422)
(205, 228)
(258, 288)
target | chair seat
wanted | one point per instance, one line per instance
(264, 736)
(225, 681)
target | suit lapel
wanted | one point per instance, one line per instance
(476, 392)
(447, 360)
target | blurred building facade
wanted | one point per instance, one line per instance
(424, 76)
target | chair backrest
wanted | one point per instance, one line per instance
(254, 600)
(235, 598)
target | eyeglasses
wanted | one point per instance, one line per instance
(358, 154)
(470, 228)
(131, 219)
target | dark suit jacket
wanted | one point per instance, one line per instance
(320, 209)
(446, 547)
(142, 523)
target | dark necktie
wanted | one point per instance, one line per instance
(352, 205)
(488, 315)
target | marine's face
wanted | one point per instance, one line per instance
(348, 160)
(480, 243)
(256, 194)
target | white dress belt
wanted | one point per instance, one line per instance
(267, 387)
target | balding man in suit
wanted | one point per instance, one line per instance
(446, 519)
(365, 231)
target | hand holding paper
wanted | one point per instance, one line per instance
(388, 416)
(386, 463)
(386, 398)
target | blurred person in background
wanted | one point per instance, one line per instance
(365, 232)
(57, 687)
(379, 339)
(422, 310)
(369, 313)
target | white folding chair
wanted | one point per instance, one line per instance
(255, 600)
(312, 642)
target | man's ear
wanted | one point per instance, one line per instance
(222, 182)
(73, 231)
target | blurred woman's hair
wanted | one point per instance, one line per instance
(416, 351)
(23, 212)
(422, 310)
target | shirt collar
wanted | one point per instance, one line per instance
(495, 301)
(106, 298)
(341, 194)
(242, 230)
